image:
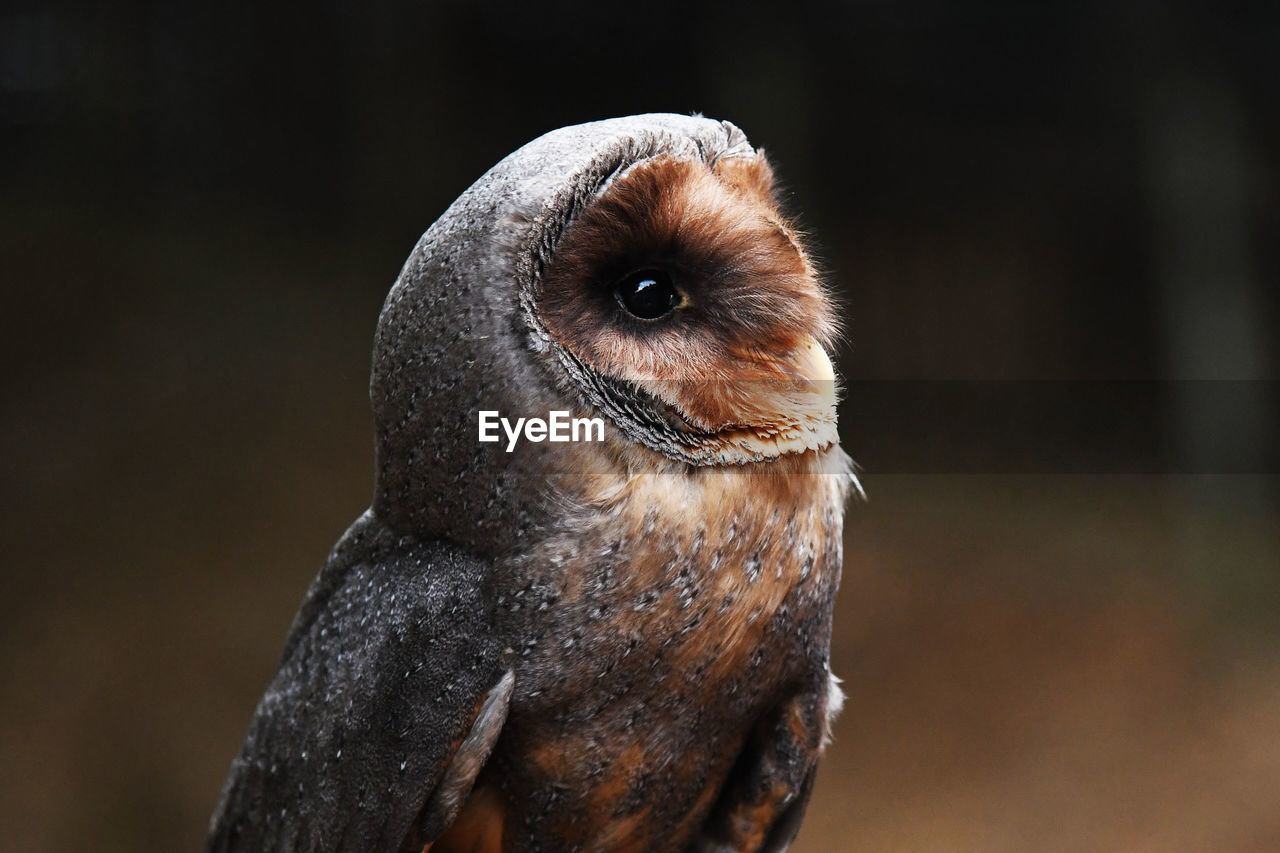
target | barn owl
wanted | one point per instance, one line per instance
(612, 644)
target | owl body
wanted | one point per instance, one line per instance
(610, 646)
(696, 611)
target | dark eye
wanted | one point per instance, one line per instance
(647, 294)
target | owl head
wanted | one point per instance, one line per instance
(637, 269)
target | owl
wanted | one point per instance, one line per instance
(613, 644)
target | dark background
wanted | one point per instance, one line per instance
(1053, 231)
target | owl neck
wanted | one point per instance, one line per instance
(639, 495)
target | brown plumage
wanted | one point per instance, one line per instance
(733, 357)
(751, 290)
(697, 602)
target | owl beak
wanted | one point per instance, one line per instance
(811, 363)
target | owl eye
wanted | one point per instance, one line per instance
(647, 294)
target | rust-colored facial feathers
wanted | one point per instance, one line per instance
(742, 359)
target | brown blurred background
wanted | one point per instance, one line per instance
(1053, 229)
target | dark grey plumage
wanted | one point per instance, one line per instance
(459, 331)
(381, 675)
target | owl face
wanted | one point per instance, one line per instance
(683, 305)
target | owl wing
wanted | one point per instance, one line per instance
(763, 801)
(389, 696)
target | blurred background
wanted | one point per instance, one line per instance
(1053, 231)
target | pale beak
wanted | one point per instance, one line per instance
(812, 363)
